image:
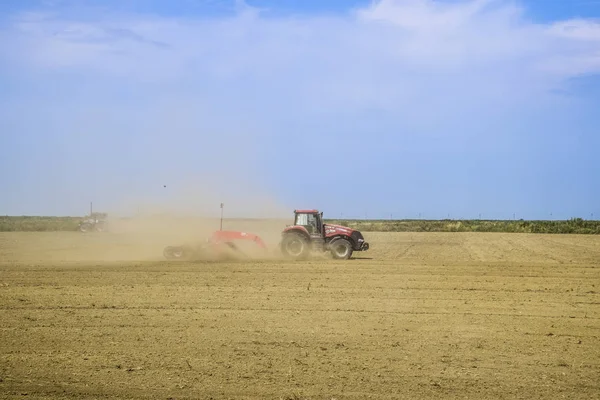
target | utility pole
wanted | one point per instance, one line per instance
(91, 208)
(221, 216)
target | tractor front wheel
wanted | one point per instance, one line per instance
(341, 249)
(295, 246)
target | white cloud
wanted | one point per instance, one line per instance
(577, 29)
(400, 56)
(389, 35)
(424, 15)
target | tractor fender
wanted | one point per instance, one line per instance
(299, 230)
(338, 237)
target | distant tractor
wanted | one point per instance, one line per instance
(96, 222)
(309, 233)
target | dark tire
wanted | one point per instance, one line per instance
(175, 253)
(341, 249)
(85, 227)
(295, 246)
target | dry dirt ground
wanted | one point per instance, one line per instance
(419, 316)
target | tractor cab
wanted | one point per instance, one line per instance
(312, 220)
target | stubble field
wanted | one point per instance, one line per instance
(428, 315)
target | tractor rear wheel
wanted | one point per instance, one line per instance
(295, 246)
(341, 249)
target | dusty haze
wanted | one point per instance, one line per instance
(186, 212)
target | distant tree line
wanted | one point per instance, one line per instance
(571, 226)
(38, 224)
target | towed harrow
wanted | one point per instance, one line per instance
(221, 245)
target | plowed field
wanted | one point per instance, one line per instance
(419, 316)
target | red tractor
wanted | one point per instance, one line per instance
(309, 233)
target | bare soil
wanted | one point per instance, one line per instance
(419, 316)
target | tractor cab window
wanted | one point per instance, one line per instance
(301, 219)
(309, 221)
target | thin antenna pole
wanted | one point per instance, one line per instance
(221, 216)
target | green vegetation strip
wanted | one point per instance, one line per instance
(572, 226)
(38, 224)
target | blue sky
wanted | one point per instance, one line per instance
(396, 108)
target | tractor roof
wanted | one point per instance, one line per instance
(306, 211)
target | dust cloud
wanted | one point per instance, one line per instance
(180, 213)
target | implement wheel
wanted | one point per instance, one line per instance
(175, 252)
